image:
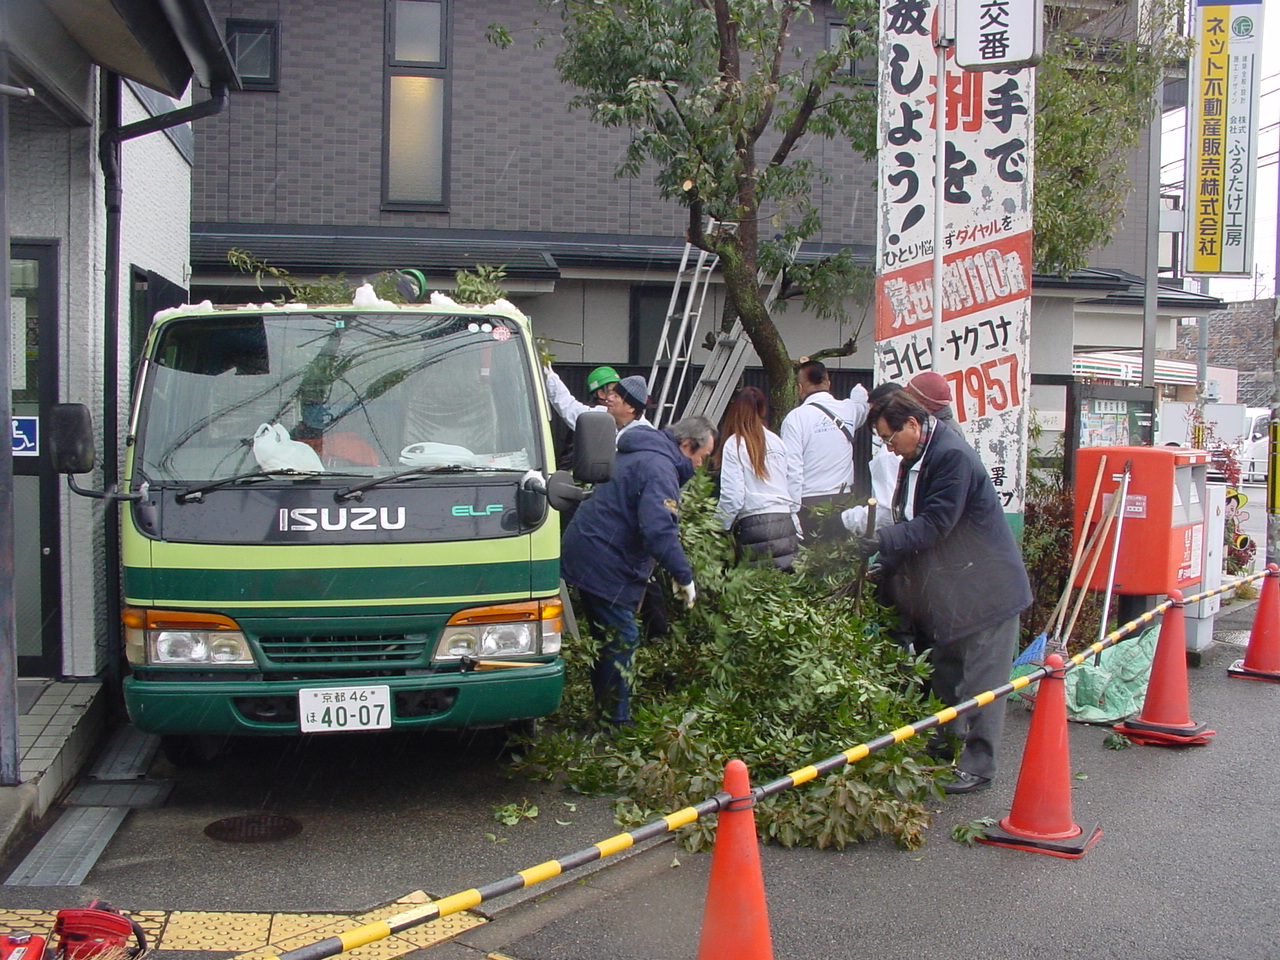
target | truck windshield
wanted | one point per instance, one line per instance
(354, 394)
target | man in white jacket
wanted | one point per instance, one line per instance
(818, 435)
(625, 400)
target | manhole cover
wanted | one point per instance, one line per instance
(253, 828)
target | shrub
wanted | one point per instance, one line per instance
(777, 669)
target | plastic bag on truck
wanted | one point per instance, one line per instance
(429, 454)
(275, 452)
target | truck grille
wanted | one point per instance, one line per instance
(322, 650)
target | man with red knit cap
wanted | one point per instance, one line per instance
(932, 392)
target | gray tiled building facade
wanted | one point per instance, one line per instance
(518, 160)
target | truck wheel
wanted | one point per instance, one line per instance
(191, 749)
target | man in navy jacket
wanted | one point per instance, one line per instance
(615, 538)
(954, 571)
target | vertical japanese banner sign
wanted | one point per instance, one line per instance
(1222, 139)
(986, 241)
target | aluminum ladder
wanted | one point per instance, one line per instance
(714, 389)
(680, 326)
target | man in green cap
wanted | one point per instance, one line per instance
(599, 382)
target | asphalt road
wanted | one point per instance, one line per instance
(1185, 868)
(381, 816)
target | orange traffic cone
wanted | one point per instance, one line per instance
(1165, 718)
(1040, 820)
(735, 921)
(1262, 658)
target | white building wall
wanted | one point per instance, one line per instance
(55, 194)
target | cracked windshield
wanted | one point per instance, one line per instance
(348, 394)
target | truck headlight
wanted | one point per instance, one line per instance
(172, 637)
(526, 629)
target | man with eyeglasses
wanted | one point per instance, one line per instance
(954, 572)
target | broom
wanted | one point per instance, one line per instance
(1035, 651)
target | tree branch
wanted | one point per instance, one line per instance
(846, 349)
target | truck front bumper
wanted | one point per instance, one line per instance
(249, 707)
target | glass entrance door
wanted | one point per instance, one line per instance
(34, 380)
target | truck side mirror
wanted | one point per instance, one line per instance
(563, 493)
(71, 438)
(71, 448)
(595, 443)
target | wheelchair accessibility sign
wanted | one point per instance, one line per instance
(26, 436)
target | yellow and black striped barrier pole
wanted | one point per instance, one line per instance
(458, 902)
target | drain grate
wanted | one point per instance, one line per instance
(253, 828)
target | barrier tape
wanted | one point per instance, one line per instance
(447, 906)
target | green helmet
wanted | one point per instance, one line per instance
(600, 376)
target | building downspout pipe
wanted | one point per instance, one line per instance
(114, 134)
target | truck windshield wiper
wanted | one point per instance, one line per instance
(354, 493)
(186, 496)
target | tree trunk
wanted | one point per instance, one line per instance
(744, 292)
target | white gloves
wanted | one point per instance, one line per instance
(688, 591)
(855, 520)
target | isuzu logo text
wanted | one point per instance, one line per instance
(303, 519)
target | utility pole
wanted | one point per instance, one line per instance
(1273, 431)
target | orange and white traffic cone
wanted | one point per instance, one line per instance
(735, 920)
(1165, 718)
(1040, 820)
(1262, 658)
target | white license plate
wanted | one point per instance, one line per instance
(325, 709)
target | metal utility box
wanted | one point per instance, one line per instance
(1163, 531)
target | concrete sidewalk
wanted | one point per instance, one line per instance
(60, 723)
(1185, 868)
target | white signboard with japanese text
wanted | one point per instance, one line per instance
(1222, 139)
(999, 34)
(986, 289)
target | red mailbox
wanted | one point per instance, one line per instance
(1162, 533)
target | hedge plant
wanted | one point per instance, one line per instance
(777, 669)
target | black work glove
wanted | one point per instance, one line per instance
(875, 571)
(868, 545)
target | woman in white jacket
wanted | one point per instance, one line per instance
(754, 503)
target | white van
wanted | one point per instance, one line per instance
(1253, 462)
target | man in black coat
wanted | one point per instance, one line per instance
(954, 571)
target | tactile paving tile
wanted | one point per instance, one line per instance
(257, 935)
(215, 931)
(152, 923)
(291, 931)
(285, 926)
(440, 929)
(26, 921)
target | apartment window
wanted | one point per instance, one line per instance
(417, 105)
(255, 46)
(863, 69)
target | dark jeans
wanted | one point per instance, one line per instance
(614, 626)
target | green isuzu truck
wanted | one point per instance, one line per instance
(336, 519)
